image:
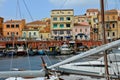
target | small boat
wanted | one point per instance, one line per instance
(53, 50)
(41, 52)
(21, 51)
(65, 49)
(30, 52)
(11, 51)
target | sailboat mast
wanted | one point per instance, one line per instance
(104, 38)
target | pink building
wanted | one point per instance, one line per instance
(81, 31)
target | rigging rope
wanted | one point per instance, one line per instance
(28, 10)
(18, 10)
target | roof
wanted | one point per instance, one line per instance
(81, 24)
(1, 17)
(92, 10)
(38, 22)
(63, 10)
(45, 30)
(112, 11)
(14, 21)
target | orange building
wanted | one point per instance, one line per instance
(1, 26)
(13, 28)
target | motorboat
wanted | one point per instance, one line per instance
(95, 67)
(11, 51)
(21, 51)
(65, 49)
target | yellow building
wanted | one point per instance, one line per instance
(92, 18)
(80, 18)
(30, 33)
(13, 28)
(112, 24)
(1, 26)
(43, 26)
(61, 23)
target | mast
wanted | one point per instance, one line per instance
(104, 38)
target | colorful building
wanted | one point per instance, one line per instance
(31, 33)
(1, 26)
(62, 21)
(81, 31)
(92, 18)
(112, 25)
(13, 28)
(43, 26)
(80, 18)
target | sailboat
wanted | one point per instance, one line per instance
(76, 66)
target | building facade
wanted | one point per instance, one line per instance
(43, 26)
(80, 18)
(62, 23)
(81, 31)
(1, 26)
(112, 26)
(92, 17)
(30, 33)
(13, 28)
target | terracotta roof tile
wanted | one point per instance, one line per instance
(38, 22)
(92, 10)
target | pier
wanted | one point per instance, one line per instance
(46, 44)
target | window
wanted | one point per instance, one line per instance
(67, 25)
(55, 32)
(113, 33)
(108, 34)
(68, 18)
(61, 18)
(55, 19)
(54, 25)
(16, 33)
(61, 25)
(107, 25)
(29, 34)
(24, 34)
(17, 25)
(8, 26)
(113, 25)
(85, 30)
(80, 30)
(69, 12)
(34, 33)
(68, 32)
(7, 33)
(12, 34)
(12, 26)
(61, 32)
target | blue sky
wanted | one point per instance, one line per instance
(39, 9)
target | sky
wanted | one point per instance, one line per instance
(32, 10)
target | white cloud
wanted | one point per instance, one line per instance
(74, 3)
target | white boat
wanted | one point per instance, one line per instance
(65, 49)
(21, 50)
(96, 67)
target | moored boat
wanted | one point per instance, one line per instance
(65, 49)
(21, 51)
